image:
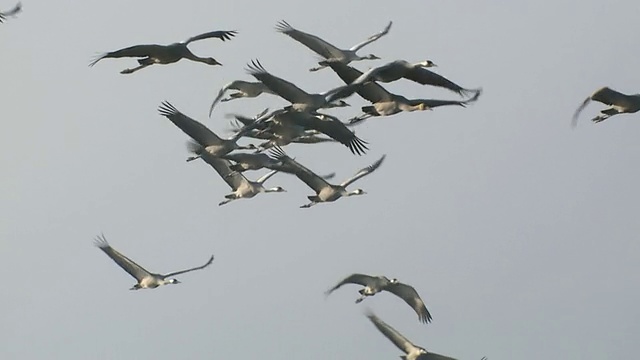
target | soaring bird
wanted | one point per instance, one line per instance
(416, 72)
(375, 284)
(165, 54)
(242, 188)
(412, 351)
(325, 192)
(328, 51)
(618, 102)
(245, 89)
(299, 99)
(146, 280)
(12, 12)
(210, 142)
(383, 102)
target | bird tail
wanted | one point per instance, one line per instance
(194, 147)
(574, 120)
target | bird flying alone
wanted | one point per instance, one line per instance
(375, 284)
(150, 54)
(146, 279)
(618, 102)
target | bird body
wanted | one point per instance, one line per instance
(150, 54)
(375, 284)
(618, 102)
(245, 89)
(327, 50)
(146, 279)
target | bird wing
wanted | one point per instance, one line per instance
(360, 279)
(281, 87)
(136, 51)
(13, 11)
(434, 356)
(192, 269)
(321, 47)
(231, 85)
(266, 176)
(222, 166)
(307, 176)
(392, 334)
(427, 77)
(364, 172)
(372, 38)
(370, 91)
(135, 270)
(432, 103)
(189, 126)
(609, 96)
(331, 127)
(220, 34)
(411, 297)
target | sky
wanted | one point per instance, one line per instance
(519, 232)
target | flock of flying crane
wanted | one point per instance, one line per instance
(301, 122)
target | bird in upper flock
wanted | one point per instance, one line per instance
(416, 72)
(375, 284)
(618, 102)
(11, 12)
(165, 54)
(383, 102)
(146, 279)
(325, 192)
(412, 351)
(329, 52)
(245, 89)
(208, 140)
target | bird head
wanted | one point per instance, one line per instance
(394, 281)
(212, 61)
(340, 103)
(357, 192)
(372, 57)
(427, 64)
(174, 281)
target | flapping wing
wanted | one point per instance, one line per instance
(411, 297)
(313, 42)
(370, 91)
(434, 356)
(192, 269)
(135, 270)
(372, 38)
(281, 87)
(332, 127)
(222, 166)
(364, 172)
(427, 77)
(360, 279)
(392, 334)
(197, 131)
(12, 12)
(307, 176)
(220, 34)
(136, 51)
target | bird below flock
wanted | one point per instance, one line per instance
(165, 54)
(412, 351)
(146, 280)
(328, 51)
(375, 284)
(618, 102)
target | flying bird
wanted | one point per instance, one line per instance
(12, 12)
(242, 188)
(383, 102)
(325, 192)
(328, 51)
(415, 72)
(146, 279)
(412, 351)
(375, 284)
(299, 99)
(165, 54)
(207, 139)
(618, 102)
(245, 89)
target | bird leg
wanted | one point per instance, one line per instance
(136, 287)
(131, 71)
(230, 198)
(362, 297)
(318, 68)
(600, 118)
(191, 158)
(308, 205)
(359, 118)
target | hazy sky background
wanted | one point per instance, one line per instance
(519, 233)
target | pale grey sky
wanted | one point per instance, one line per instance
(519, 233)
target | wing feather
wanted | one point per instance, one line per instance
(135, 270)
(364, 172)
(360, 279)
(196, 130)
(411, 297)
(192, 269)
(318, 45)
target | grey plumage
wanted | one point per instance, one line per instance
(11, 12)
(618, 102)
